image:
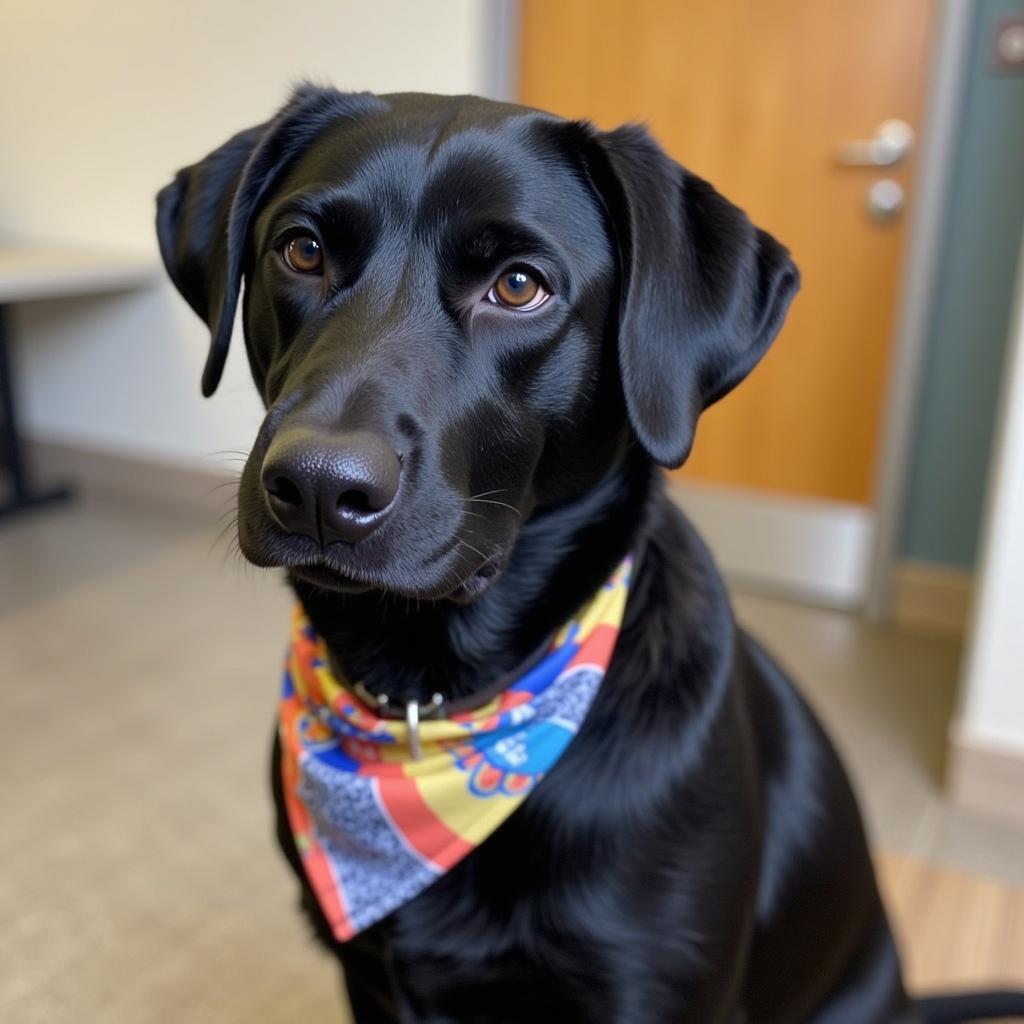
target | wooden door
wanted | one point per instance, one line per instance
(757, 96)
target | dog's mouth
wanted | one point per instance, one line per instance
(339, 572)
(468, 589)
(328, 579)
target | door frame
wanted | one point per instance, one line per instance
(922, 263)
(499, 73)
(848, 553)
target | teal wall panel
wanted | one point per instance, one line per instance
(969, 320)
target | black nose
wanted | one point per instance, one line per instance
(330, 486)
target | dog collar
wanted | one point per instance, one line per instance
(413, 712)
(381, 807)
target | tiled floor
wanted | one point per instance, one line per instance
(138, 879)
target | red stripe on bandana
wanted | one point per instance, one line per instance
(417, 824)
(317, 865)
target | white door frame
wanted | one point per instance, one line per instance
(500, 72)
(922, 265)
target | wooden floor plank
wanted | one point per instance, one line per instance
(955, 930)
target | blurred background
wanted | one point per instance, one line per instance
(863, 491)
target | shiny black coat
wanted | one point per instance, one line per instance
(697, 855)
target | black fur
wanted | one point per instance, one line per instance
(697, 855)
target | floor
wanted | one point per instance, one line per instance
(886, 699)
(956, 930)
(139, 880)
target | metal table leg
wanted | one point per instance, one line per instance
(20, 495)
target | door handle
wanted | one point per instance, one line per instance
(892, 141)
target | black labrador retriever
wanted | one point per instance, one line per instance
(448, 298)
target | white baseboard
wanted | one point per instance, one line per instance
(810, 549)
(986, 777)
(142, 480)
(930, 598)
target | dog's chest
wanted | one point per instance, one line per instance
(548, 919)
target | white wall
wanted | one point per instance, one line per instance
(992, 711)
(101, 102)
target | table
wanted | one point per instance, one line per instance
(31, 273)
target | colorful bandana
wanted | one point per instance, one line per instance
(374, 827)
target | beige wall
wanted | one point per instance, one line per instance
(101, 102)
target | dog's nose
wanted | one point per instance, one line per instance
(330, 486)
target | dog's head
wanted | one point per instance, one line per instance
(458, 313)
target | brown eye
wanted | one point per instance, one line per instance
(304, 255)
(518, 289)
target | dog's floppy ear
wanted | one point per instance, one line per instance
(703, 292)
(192, 219)
(204, 216)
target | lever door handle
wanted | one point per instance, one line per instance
(893, 140)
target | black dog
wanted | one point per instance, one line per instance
(478, 329)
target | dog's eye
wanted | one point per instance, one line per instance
(303, 255)
(518, 289)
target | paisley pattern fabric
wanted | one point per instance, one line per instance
(375, 827)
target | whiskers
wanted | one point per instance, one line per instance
(227, 533)
(461, 541)
(484, 498)
(486, 560)
(466, 544)
(231, 456)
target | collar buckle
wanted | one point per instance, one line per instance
(413, 715)
(411, 710)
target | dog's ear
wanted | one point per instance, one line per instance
(204, 216)
(703, 292)
(192, 217)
